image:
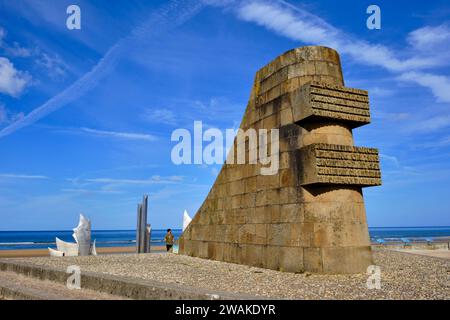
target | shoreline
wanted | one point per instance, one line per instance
(413, 247)
(33, 253)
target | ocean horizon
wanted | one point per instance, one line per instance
(16, 240)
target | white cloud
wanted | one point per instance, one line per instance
(392, 116)
(283, 20)
(151, 180)
(12, 81)
(439, 85)
(391, 159)
(53, 64)
(17, 51)
(431, 124)
(7, 117)
(436, 144)
(14, 50)
(165, 116)
(430, 38)
(22, 176)
(162, 20)
(120, 135)
(89, 191)
(380, 92)
(299, 25)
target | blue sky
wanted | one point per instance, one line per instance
(86, 115)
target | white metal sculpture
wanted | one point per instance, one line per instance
(82, 247)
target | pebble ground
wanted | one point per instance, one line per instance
(403, 276)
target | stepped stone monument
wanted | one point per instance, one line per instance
(310, 215)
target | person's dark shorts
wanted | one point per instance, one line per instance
(169, 246)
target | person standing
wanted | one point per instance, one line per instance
(169, 238)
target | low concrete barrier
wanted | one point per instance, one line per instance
(131, 288)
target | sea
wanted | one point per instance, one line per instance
(16, 240)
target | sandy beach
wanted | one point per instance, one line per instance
(44, 252)
(438, 253)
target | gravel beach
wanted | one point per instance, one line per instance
(403, 276)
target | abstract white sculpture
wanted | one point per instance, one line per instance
(68, 248)
(82, 236)
(82, 247)
(186, 220)
(55, 253)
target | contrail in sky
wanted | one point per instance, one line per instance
(164, 19)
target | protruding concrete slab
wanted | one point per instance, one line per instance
(337, 164)
(316, 101)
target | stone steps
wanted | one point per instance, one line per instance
(34, 277)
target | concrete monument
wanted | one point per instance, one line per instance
(310, 215)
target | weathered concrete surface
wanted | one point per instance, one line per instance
(404, 276)
(14, 286)
(310, 216)
(130, 288)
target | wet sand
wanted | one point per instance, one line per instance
(438, 253)
(44, 252)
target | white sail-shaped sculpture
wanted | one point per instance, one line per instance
(82, 247)
(186, 220)
(82, 235)
(55, 253)
(68, 249)
(93, 249)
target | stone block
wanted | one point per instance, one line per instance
(291, 259)
(346, 260)
(331, 234)
(278, 234)
(286, 116)
(291, 213)
(273, 257)
(203, 249)
(289, 195)
(259, 215)
(312, 259)
(253, 255)
(301, 234)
